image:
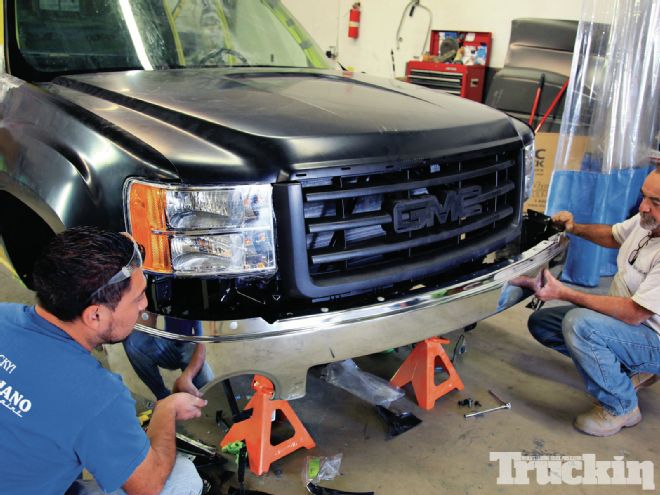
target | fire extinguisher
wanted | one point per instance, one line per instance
(354, 21)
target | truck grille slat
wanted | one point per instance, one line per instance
(392, 188)
(349, 223)
(377, 249)
(407, 213)
(366, 220)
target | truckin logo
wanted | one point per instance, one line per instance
(422, 212)
(517, 469)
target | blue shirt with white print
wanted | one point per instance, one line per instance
(60, 411)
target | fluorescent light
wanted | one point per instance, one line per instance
(127, 11)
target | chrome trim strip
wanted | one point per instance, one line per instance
(257, 328)
(213, 231)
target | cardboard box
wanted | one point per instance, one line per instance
(546, 150)
(546, 147)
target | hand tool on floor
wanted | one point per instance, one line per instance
(505, 405)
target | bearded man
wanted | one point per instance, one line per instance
(614, 339)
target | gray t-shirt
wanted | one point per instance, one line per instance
(640, 281)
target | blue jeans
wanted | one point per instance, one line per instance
(603, 349)
(183, 480)
(146, 353)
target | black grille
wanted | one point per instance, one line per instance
(399, 215)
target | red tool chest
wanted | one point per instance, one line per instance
(462, 79)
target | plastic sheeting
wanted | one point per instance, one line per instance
(612, 103)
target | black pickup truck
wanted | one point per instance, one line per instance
(299, 211)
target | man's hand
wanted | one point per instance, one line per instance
(185, 382)
(185, 406)
(533, 284)
(524, 281)
(548, 287)
(545, 286)
(564, 221)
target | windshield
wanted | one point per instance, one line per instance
(64, 36)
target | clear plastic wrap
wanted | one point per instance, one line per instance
(347, 375)
(614, 91)
(610, 124)
(321, 468)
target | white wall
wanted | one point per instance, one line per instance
(327, 22)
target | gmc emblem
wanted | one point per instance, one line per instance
(423, 212)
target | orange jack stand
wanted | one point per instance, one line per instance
(419, 368)
(255, 430)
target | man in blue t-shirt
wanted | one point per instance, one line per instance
(62, 411)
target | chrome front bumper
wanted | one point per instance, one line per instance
(284, 350)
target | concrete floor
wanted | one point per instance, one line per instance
(445, 453)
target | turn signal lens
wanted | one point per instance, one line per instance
(203, 230)
(146, 208)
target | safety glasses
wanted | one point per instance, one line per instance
(635, 252)
(125, 273)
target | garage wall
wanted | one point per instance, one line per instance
(327, 22)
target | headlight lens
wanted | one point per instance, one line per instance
(529, 169)
(214, 230)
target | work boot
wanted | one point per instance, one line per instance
(600, 423)
(643, 380)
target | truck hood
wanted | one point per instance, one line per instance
(262, 123)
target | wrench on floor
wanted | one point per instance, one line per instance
(505, 405)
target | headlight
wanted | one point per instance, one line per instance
(529, 169)
(210, 230)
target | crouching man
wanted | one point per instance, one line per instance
(614, 340)
(64, 412)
